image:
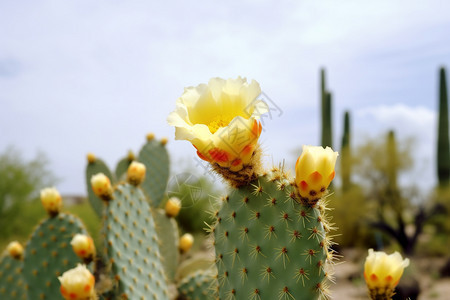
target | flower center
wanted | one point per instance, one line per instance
(219, 121)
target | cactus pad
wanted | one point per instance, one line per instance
(95, 167)
(268, 246)
(155, 157)
(132, 245)
(12, 284)
(200, 285)
(48, 254)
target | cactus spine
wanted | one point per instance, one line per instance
(443, 146)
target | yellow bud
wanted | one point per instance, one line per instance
(83, 246)
(186, 242)
(101, 185)
(51, 200)
(173, 206)
(314, 172)
(77, 284)
(164, 141)
(382, 272)
(131, 156)
(15, 249)
(136, 173)
(91, 158)
(150, 136)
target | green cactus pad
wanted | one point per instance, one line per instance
(200, 285)
(156, 159)
(132, 245)
(122, 167)
(169, 240)
(98, 166)
(48, 254)
(12, 283)
(268, 246)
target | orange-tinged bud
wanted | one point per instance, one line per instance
(91, 158)
(51, 200)
(136, 173)
(101, 185)
(382, 272)
(173, 206)
(83, 246)
(77, 284)
(186, 242)
(15, 249)
(314, 172)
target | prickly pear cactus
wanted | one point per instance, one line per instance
(200, 285)
(155, 157)
(48, 254)
(95, 166)
(268, 246)
(169, 238)
(132, 245)
(123, 164)
(12, 284)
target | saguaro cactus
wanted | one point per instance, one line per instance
(326, 107)
(443, 145)
(346, 159)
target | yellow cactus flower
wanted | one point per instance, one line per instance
(382, 272)
(51, 200)
(101, 185)
(314, 172)
(221, 120)
(77, 284)
(173, 206)
(83, 246)
(15, 249)
(186, 242)
(136, 173)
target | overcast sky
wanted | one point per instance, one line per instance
(96, 76)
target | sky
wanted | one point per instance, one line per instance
(97, 76)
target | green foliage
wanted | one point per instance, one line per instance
(443, 144)
(19, 179)
(156, 159)
(269, 246)
(132, 245)
(48, 254)
(12, 283)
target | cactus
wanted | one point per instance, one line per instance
(48, 254)
(346, 159)
(268, 245)
(95, 166)
(200, 285)
(443, 144)
(132, 245)
(12, 283)
(326, 106)
(155, 157)
(123, 164)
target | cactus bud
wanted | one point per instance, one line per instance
(91, 158)
(136, 173)
(150, 136)
(131, 156)
(83, 246)
(101, 185)
(382, 273)
(314, 172)
(164, 141)
(51, 200)
(77, 284)
(173, 206)
(15, 249)
(186, 242)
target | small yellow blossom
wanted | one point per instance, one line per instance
(173, 206)
(382, 272)
(15, 249)
(186, 242)
(314, 171)
(101, 185)
(83, 246)
(51, 200)
(221, 120)
(136, 173)
(77, 284)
